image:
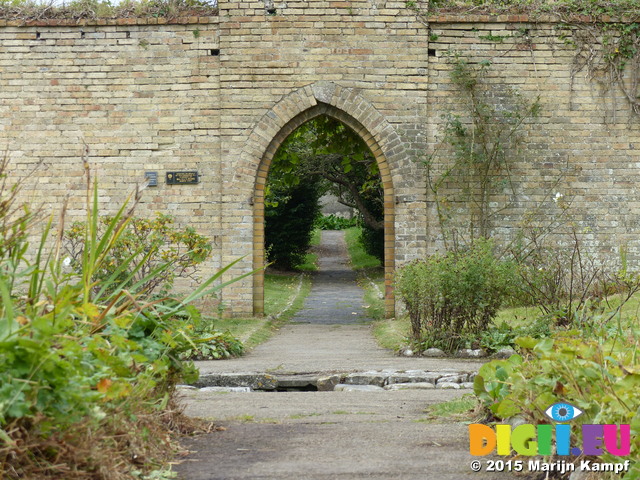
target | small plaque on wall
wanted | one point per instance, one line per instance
(182, 178)
(152, 178)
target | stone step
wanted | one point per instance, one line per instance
(383, 379)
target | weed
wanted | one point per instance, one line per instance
(463, 407)
(493, 38)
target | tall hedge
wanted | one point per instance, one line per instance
(289, 222)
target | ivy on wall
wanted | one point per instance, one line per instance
(604, 33)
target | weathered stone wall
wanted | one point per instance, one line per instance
(220, 94)
(577, 163)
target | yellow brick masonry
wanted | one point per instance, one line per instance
(220, 94)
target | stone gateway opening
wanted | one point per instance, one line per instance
(259, 256)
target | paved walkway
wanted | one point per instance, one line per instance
(330, 333)
(335, 297)
(327, 435)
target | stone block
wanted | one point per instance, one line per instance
(414, 377)
(327, 384)
(342, 387)
(411, 386)
(366, 378)
(255, 381)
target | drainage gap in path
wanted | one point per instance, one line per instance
(374, 380)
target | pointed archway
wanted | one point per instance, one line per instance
(349, 108)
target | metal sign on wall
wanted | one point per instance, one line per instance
(182, 178)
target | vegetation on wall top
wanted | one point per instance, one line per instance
(34, 10)
(596, 8)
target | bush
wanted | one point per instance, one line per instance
(554, 274)
(501, 336)
(373, 242)
(88, 366)
(333, 222)
(143, 245)
(600, 378)
(452, 295)
(290, 215)
(208, 342)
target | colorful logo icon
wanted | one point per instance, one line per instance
(530, 440)
(563, 412)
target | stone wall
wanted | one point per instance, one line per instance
(577, 163)
(219, 95)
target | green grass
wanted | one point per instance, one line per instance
(392, 333)
(370, 270)
(280, 291)
(523, 316)
(311, 259)
(277, 316)
(458, 410)
(372, 301)
(517, 316)
(359, 258)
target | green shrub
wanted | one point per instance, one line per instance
(333, 222)
(452, 295)
(290, 214)
(208, 342)
(144, 244)
(372, 241)
(88, 363)
(501, 336)
(601, 378)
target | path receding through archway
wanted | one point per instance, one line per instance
(335, 298)
(319, 435)
(331, 333)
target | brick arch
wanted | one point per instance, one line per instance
(290, 113)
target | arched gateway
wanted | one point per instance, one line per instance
(354, 111)
(214, 97)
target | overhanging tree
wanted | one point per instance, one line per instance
(325, 152)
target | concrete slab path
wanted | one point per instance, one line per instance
(328, 435)
(330, 333)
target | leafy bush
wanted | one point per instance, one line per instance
(290, 214)
(208, 342)
(143, 245)
(373, 242)
(504, 335)
(88, 366)
(453, 294)
(601, 378)
(333, 222)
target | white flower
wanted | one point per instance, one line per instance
(557, 197)
(66, 262)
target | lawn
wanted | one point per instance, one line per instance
(394, 333)
(284, 295)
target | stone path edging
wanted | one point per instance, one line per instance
(381, 379)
